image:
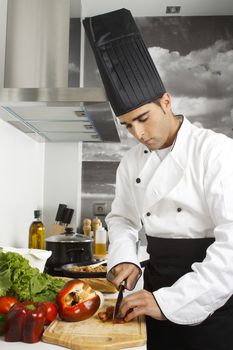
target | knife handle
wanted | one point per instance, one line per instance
(67, 216)
(122, 285)
(60, 212)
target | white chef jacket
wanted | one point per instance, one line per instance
(196, 177)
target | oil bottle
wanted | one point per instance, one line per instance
(100, 241)
(37, 232)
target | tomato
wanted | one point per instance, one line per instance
(6, 303)
(51, 311)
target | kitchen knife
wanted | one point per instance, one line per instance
(116, 312)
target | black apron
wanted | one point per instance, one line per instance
(169, 260)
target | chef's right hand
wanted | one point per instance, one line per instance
(126, 272)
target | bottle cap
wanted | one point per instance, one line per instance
(37, 214)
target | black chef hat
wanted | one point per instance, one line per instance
(128, 73)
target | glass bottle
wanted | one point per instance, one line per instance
(37, 232)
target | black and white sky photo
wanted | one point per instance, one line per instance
(194, 57)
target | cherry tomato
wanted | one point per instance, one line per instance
(51, 311)
(6, 303)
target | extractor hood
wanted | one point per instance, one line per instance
(60, 114)
(36, 98)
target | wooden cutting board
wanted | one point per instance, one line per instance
(93, 334)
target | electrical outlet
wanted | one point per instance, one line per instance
(100, 209)
(173, 9)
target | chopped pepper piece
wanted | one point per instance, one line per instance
(77, 301)
(25, 322)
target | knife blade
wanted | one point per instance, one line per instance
(116, 312)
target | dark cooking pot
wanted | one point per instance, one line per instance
(68, 248)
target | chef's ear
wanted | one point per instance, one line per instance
(165, 102)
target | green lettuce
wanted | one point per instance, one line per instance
(26, 283)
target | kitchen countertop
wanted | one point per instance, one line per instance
(45, 346)
(42, 346)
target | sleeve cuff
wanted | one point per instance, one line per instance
(110, 275)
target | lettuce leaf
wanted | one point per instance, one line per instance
(19, 279)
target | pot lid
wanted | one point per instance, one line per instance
(70, 238)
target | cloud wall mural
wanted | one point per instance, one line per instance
(194, 56)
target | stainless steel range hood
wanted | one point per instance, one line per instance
(36, 98)
(60, 114)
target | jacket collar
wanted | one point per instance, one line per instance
(159, 178)
(179, 151)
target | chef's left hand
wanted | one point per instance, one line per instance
(140, 303)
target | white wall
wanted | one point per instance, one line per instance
(3, 21)
(62, 180)
(35, 176)
(21, 170)
(21, 184)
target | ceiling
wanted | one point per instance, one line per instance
(153, 7)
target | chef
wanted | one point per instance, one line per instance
(177, 183)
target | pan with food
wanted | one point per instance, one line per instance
(96, 269)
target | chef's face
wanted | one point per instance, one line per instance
(152, 124)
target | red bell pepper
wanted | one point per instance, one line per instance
(77, 301)
(2, 323)
(25, 322)
(6, 304)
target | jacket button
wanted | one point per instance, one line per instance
(138, 180)
(179, 210)
(148, 214)
(145, 151)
